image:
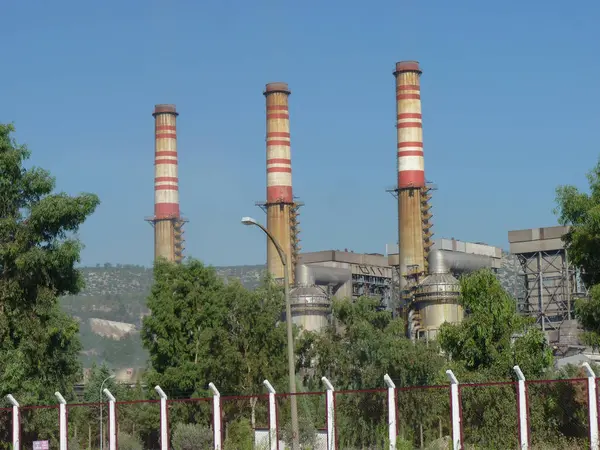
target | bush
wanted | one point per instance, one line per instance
(240, 436)
(192, 437)
(128, 441)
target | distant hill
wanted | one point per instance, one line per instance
(116, 295)
(115, 298)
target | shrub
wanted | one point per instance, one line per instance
(240, 435)
(192, 436)
(128, 441)
(308, 433)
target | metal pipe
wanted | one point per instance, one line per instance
(446, 261)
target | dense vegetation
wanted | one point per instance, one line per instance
(39, 343)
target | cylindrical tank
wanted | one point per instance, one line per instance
(311, 307)
(436, 302)
(279, 177)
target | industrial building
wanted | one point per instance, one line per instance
(435, 297)
(551, 284)
(321, 276)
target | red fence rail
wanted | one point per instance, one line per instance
(556, 414)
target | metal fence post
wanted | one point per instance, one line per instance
(16, 422)
(592, 406)
(522, 409)
(391, 410)
(164, 419)
(330, 402)
(455, 411)
(273, 440)
(62, 420)
(216, 415)
(112, 421)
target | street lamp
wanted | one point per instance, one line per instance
(102, 404)
(290, 336)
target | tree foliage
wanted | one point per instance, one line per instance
(38, 253)
(581, 211)
(362, 345)
(202, 329)
(493, 337)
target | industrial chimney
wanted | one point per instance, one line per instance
(167, 222)
(413, 209)
(280, 206)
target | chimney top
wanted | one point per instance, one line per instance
(164, 109)
(407, 66)
(277, 87)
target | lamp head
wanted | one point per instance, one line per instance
(248, 221)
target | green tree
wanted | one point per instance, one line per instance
(362, 344)
(39, 344)
(493, 337)
(490, 341)
(202, 329)
(581, 212)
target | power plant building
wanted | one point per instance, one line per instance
(435, 299)
(321, 276)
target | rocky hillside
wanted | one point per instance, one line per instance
(111, 308)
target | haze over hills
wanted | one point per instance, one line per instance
(111, 307)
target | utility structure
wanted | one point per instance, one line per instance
(167, 221)
(551, 285)
(411, 190)
(281, 207)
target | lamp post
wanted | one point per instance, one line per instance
(101, 404)
(290, 336)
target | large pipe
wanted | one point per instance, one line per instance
(444, 261)
(309, 275)
(167, 225)
(279, 177)
(411, 172)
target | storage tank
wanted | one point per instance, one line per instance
(436, 296)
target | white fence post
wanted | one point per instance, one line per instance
(522, 409)
(216, 415)
(273, 440)
(164, 419)
(112, 421)
(391, 410)
(592, 405)
(62, 420)
(455, 409)
(16, 422)
(330, 402)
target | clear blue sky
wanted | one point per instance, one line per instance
(510, 95)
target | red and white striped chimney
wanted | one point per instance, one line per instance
(411, 169)
(279, 177)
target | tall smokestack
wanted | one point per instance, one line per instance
(280, 207)
(167, 222)
(412, 231)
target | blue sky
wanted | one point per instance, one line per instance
(510, 95)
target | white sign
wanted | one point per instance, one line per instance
(41, 445)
